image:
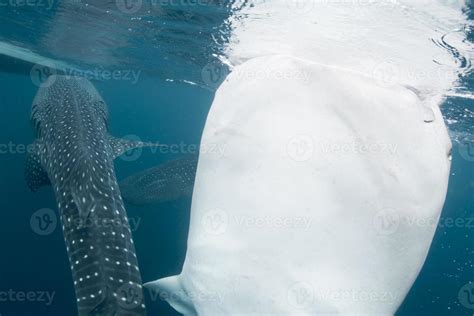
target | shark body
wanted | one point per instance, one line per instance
(324, 214)
(74, 153)
(166, 182)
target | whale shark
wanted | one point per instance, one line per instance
(337, 159)
(74, 153)
(327, 217)
(166, 182)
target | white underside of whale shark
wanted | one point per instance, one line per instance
(330, 191)
(320, 205)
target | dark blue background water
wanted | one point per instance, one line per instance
(175, 113)
(168, 112)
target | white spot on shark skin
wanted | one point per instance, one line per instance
(318, 234)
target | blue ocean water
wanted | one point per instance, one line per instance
(35, 277)
(169, 112)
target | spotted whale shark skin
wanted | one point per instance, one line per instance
(74, 154)
(166, 182)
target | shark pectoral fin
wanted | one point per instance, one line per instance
(35, 175)
(175, 294)
(121, 145)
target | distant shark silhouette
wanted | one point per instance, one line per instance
(74, 153)
(166, 182)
